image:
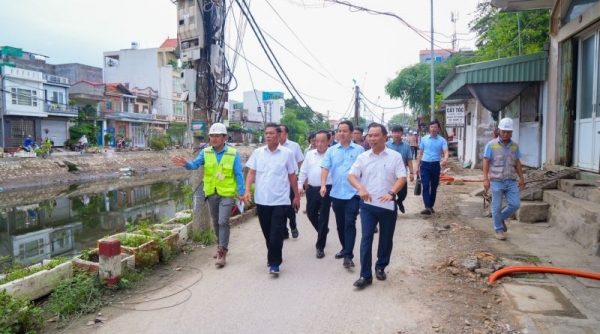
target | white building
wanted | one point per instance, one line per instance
(153, 68)
(271, 106)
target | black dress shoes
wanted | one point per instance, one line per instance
(348, 262)
(401, 207)
(320, 254)
(380, 274)
(340, 254)
(363, 281)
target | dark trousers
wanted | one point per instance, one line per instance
(369, 217)
(401, 195)
(346, 211)
(430, 178)
(272, 223)
(414, 150)
(290, 212)
(317, 209)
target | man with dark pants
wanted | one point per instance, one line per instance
(299, 157)
(428, 164)
(382, 175)
(317, 207)
(344, 198)
(272, 168)
(223, 181)
(402, 147)
(502, 165)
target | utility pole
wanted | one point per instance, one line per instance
(453, 19)
(356, 104)
(432, 78)
(519, 29)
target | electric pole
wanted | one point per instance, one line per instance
(356, 105)
(432, 78)
(453, 19)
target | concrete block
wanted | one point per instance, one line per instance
(110, 261)
(569, 185)
(579, 219)
(477, 192)
(39, 284)
(179, 229)
(532, 212)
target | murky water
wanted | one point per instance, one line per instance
(65, 221)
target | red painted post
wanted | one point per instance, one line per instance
(110, 260)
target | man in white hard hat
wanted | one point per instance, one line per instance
(501, 167)
(223, 183)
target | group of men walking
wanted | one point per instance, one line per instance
(351, 176)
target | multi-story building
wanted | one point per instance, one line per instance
(152, 73)
(440, 55)
(40, 106)
(263, 107)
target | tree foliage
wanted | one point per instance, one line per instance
(498, 32)
(177, 132)
(406, 120)
(413, 84)
(301, 121)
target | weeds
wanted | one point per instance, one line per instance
(205, 237)
(19, 271)
(129, 277)
(78, 294)
(19, 315)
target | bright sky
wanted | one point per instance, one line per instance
(345, 45)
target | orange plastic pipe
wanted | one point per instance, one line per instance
(534, 269)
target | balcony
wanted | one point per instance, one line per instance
(61, 109)
(55, 79)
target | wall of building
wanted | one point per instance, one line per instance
(136, 67)
(78, 72)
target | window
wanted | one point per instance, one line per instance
(58, 97)
(117, 105)
(177, 85)
(24, 97)
(179, 108)
(136, 108)
(108, 105)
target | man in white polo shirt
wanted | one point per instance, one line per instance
(382, 174)
(299, 156)
(272, 168)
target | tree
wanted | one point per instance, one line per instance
(498, 32)
(298, 127)
(177, 131)
(303, 119)
(413, 86)
(406, 120)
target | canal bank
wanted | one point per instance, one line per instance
(71, 167)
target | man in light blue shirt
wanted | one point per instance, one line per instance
(428, 164)
(402, 147)
(344, 198)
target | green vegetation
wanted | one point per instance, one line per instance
(205, 237)
(19, 315)
(160, 142)
(133, 240)
(129, 277)
(19, 271)
(78, 294)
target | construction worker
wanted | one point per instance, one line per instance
(223, 182)
(501, 167)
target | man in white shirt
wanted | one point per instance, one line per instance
(272, 168)
(299, 157)
(382, 174)
(317, 206)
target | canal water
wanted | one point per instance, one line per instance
(64, 224)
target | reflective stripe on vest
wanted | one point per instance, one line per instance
(503, 161)
(214, 170)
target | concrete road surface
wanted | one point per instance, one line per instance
(310, 295)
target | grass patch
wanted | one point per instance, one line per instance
(129, 277)
(205, 237)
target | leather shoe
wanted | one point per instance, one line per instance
(380, 274)
(376, 229)
(401, 207)
(340, 254)
(348, 262)
(295, 233)
(363, 281)
(320, 254)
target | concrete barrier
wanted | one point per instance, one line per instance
(40, 283)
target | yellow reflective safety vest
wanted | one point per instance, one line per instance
(219, 177)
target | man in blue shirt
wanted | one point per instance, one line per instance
(344, 198)
(29, 143)
(402, 147)
(223, 178)
(428, 164)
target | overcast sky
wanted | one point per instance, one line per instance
(347, 45)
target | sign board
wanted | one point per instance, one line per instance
(455, 115)
(199, 128)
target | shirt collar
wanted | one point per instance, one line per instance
(500, 142)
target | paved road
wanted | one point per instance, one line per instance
(309, 296)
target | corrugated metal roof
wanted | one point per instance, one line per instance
(528, 68)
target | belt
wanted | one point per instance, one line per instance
(430, 162)
(319, 187)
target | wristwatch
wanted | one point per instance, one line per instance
(391, 193)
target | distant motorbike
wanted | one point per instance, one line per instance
(34, 146)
